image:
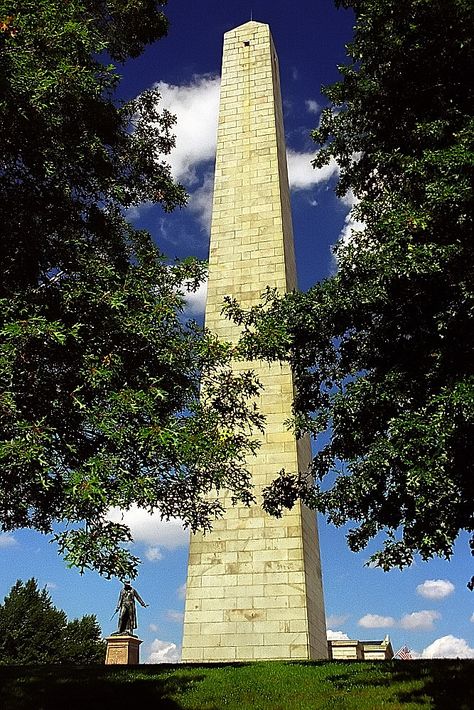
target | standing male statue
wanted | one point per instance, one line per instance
(127, 622)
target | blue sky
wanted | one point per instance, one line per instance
(427, 606)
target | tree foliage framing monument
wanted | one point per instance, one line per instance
(383, 351)
(99, 372)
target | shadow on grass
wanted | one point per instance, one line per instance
(448, 683)
(440, 684)
(68, 688)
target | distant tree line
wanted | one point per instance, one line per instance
(33, 631)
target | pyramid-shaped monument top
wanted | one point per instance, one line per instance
(250, 23)
(248, 26)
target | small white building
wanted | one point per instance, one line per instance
(353, 650)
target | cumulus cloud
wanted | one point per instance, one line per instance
(148, 528)
(448, 647)
(153, 554)
(349, 199)
(336, 619)
(420, 620)
(153, 627)
(302, 175)
(196, 108)
(200, 202)
(164, 652)
(336, 635)
(137, 212)
(415, 621)
(351, 223)
(181, 591)
(435, 588)
(375, 621)
(196, 300)
(176, 616)
(312, 106)
(7, 540)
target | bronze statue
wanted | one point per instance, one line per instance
(127, 622)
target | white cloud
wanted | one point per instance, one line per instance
(336, 635)
(50, 585)
(472, 618)
(181, 591)
(416, 621)
(349, 199)
(196, 108)
(153, 554)
(351, 224)
(312, 106)
(150, 529)
(176, 616)
(7, 540)
(166, 232)
(200, 202)
(301, 173)
(196, 300)
(133, 214)
(336, 619)
(448, 647)
(301, 176)
(375, 621)
(435, 588)
(164, 652)
(419, 620)
(153, 627)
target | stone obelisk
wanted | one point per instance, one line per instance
(254, 587)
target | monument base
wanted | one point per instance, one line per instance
(122, 649)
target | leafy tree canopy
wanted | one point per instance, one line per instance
(33, 631)
(99, 372)
(383, 351)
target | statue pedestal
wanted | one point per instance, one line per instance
(122, 649)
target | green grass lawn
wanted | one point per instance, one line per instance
(277, 685)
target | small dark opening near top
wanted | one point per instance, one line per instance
(247, 44)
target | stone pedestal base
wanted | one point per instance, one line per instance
(122, 649)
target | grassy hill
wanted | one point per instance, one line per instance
(276, 685)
